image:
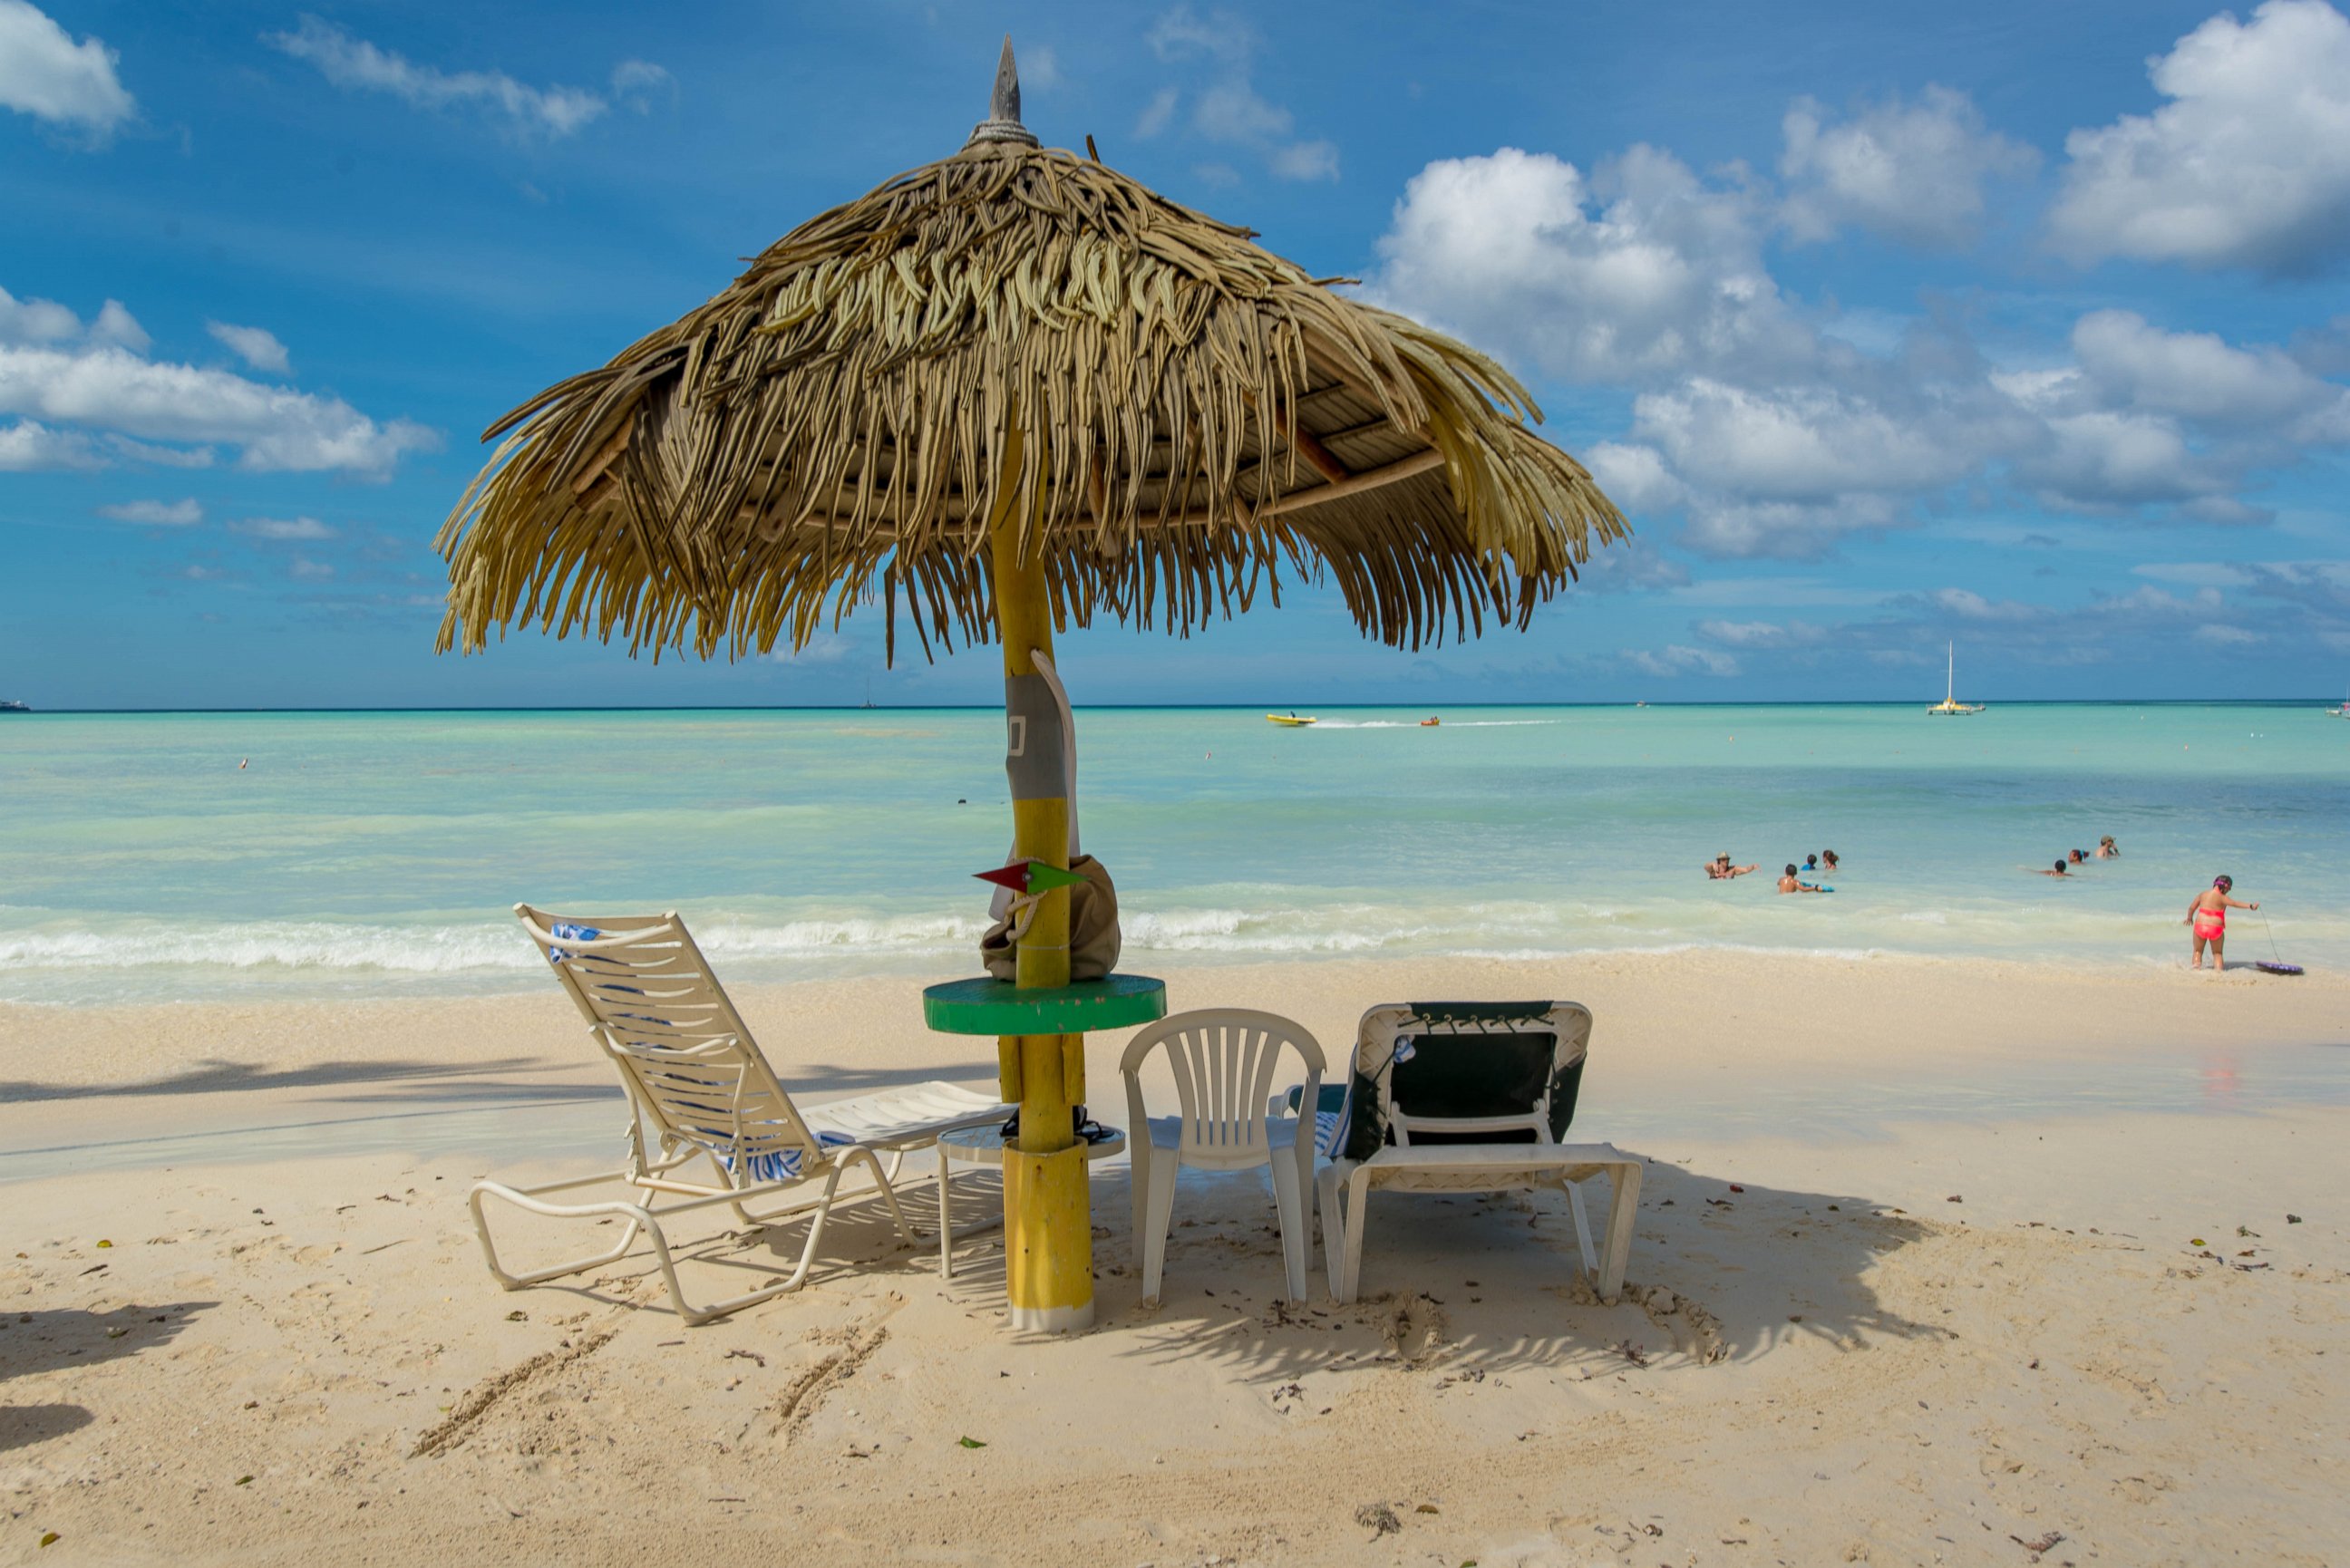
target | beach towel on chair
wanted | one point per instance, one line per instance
(1450, 1060)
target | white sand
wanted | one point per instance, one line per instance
(1835, 1364)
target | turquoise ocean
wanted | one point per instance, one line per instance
(377, 854)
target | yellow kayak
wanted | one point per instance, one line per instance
(1289, 721)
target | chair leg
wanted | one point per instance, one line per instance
(1623, 1213)
(946, 1226)
(1329, 1185)
(529, 1200)
(1286, 1205)
(889, 1193)
(1582, 1227)
(1357, 1199)
(695, 1316)
(1163, 1166)
(1137, 1169)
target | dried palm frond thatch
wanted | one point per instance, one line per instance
(1180, 413)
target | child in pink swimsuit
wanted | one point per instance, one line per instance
(2209, 915)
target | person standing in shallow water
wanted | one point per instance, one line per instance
(2209, 915)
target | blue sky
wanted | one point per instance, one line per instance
(2025, 328)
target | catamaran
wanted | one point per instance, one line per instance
(1950, 706)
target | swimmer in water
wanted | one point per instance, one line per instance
(1827, 860)
(2209, 915)
(2107, 849)
(1791, 883)
(1719, 869)
(2058, 872)
(1811, 863)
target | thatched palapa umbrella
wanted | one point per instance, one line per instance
(1018, 389)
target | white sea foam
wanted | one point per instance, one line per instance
(1448, 724)
(488, 948)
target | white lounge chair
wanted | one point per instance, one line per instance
(1224, 1061)
(699, 1090)
(1468, 1097)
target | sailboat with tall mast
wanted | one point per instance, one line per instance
(1949, 707)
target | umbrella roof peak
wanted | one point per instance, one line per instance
(1003, 121)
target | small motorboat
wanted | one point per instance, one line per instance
(1290, 720)
(1430, 723)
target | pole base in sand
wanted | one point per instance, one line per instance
(1053, 1320)
(1048, 1241)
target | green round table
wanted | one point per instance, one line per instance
(989, 1006)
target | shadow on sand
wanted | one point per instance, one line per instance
(37, 1342)
(1481, 1283)
(1490, 1283)
(422, 1081)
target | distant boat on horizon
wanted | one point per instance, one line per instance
(12, 706)
(1949, 707)
(869, 692)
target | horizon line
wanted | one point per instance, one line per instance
(1173, 707)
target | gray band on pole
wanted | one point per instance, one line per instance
(1035, 751)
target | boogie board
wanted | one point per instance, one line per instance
(2266, 968)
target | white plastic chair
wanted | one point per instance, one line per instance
(1224, 1060)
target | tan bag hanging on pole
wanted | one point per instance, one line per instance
(1094, 937)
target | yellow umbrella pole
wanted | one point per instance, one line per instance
(1048, 1228)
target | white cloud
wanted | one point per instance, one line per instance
(118, 326)
(1798, 443)
(2111, 456)
(1913, 172)
(310, 571)
(45, 321)
(350, 62)
(1968, 605)
(28, 447)
(44, 73)
(1633, 274)
(1675, 659)
(283, 529)
(110, 389)
(111, 404)
(1040, 66)
(1727, 525)
(36, 320)
(2195, 574)
(1226, 106)
(1762, 635)
(2247, 165)
(1635, 477)
(185, 514)
(255, 346)
(2217, 634)
(636, 82)
(1234, 110)
(2199, 376)
(1157, 114)
(1307, 160)
(1776, 429)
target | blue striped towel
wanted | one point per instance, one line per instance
(565, 931)
(775, 1164)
